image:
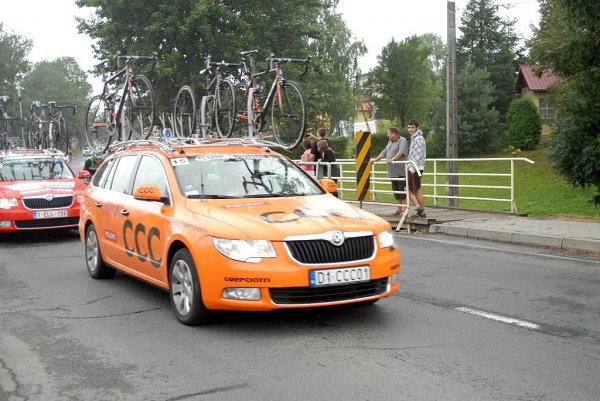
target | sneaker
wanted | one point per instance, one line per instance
(423, 215)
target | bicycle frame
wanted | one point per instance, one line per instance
(256, 123)
(115, 101)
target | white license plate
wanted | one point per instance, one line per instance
(339, 276)
(48, 214)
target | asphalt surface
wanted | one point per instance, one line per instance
(552, 233)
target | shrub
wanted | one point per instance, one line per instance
(524, 124)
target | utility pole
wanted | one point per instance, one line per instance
(451, 108)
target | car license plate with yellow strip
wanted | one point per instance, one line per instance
(346, 275)
(49, 214)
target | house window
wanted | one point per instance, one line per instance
(547, 109)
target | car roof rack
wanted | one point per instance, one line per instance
(176, 144)
(32, 152)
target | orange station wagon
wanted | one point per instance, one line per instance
(232, 225)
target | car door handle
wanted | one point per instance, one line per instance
(125, 212)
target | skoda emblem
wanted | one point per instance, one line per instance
(49, 197)
(337, 238)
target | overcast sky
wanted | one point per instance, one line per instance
(52, 27)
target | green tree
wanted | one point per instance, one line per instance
(401, 86)
(491, 43)
(524, 124)
(13, 62)
(183, 32)
(64, 82)
(568, 41)
(477, 116)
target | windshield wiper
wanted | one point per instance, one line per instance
(204, 196)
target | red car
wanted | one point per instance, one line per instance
(38, 191)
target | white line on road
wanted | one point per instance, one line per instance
(492, 248)
(499, 318)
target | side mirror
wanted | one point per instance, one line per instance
(84, 174)
(328, 185)
(149, 192)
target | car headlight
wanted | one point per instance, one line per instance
(245, 250)
(386, 239)
(7, 203)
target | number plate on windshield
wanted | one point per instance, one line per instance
(48, 214)
(339, 276)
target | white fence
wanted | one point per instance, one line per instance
(381, 183)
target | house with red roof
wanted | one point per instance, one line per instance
(539, 89)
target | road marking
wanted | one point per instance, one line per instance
(527, 253)
(499, 318)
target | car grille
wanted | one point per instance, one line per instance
(47, 223)
(321, 251)
(41, 203)
(307, 295)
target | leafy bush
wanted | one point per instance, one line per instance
(524, 124)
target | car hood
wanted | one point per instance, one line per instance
(34, 188)
(278, 218)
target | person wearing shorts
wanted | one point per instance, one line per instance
(417, 154)
(395, 150)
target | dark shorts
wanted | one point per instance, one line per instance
(399, 187)
(414, 181)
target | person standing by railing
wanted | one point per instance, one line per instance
(396, 150)
(306, 157)
(417, 153)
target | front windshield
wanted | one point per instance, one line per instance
(48, 168)
(242, 176)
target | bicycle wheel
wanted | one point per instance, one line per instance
(53, 135)
(98, 125)
(62, 142)
(185, 112)
(207, 112)
(288, 115)
(225, 108)
(139, 109)
(255, 120)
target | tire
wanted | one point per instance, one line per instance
(98, 132)
(139, 109)
(225, 108)
(255, 121)
(288, 115)
(184, 290)
(65, 145)
(185, 113)
(96, 266)
(207, 108)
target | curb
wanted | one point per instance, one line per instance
(550, 241)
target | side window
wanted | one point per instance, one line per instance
(102, 174)
(150, 171)
(121, 180)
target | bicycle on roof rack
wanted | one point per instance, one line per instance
(280, 112)
(125, 109)
(217, 107)
(6, 139)
(57, 135)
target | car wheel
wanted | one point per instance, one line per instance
(93, 257)
(184, 289)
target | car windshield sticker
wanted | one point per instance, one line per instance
(180, 161)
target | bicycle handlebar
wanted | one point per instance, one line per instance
(115, 61)
(208, 64)
(285, 60)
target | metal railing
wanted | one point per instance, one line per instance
(381, 183)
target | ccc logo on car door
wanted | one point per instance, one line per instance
(140, 236)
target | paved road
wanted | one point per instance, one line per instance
(473, 320)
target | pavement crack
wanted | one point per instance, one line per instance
(106, 316)
(210, 391)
